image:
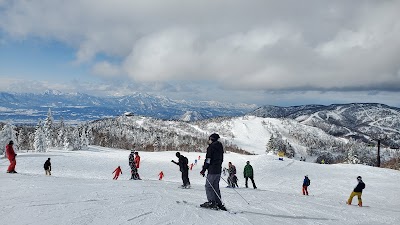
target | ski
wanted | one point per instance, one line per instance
(198, 206)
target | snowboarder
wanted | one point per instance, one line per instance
(232, 179)
(184, 168)
(132, 165)
(11, 157)
(195, 162)
(160, 175)
(191, 166)
(117, 171)
(357, 191)
(213, 163)
(248, 173)
(306, 183)
(47, 167)
(137, 164)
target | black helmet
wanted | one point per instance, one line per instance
(178, 154)
(359, 178)
(11, 143)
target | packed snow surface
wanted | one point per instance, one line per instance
(81, 191)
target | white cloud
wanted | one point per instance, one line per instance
(241, 45)
(106, 69)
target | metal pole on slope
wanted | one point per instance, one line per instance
(236, 191)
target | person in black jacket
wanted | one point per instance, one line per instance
(47, 167)
(357, 191)
(184, 168)
(213, 163)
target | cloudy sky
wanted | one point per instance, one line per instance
(262, 52)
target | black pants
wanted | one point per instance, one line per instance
(252, 180)
(185, 177)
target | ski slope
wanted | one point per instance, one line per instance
(81, 191)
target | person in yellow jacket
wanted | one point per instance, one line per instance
(357, 191)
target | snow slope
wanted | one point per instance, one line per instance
(81, 191)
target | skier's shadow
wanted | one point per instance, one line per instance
(287, 217)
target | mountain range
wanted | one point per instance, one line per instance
(79, 107)
(368, 122)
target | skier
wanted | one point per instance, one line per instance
(232, 179)
(137, 164)
(357, 191)
(195, 162)
(47, 167)
(248, 173)
(184, 168)
(117, 171)
(160, 175)
(11, 157)
(306, 183)
(191, 166)
(132, 165)
(213, 163)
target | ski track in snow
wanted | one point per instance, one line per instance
(81, 191)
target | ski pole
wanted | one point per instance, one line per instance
(214, 189)
(236, 192)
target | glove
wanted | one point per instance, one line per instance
(203, 172)
(173, 161)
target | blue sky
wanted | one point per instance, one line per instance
(262, 52)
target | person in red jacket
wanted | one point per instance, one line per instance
(160, 175)
(11, 156)
(117, 172)
(137, 163)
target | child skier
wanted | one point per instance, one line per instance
(117, 172)
(357, 191)
(306, 183)
(160, 175)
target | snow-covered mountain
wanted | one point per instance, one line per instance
(365, 121)
(28, 107)
(81, 191)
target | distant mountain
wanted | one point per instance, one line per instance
(366, 121)
(28, 107)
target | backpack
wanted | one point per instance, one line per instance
(308, 182)
(185, 160)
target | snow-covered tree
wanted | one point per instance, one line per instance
(40, 144)
(48, 130)
(8, 133)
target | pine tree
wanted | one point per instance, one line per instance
(7, 134)
(48, 130)
(40, 139)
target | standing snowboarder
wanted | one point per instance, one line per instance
(213, 163)
(11, 157)
(306, 183)
(132, 165)
(184, 168)
(232, 179)
(357, 191)
(47, 167)
(137, 164)
(117, 171)
(248, 173)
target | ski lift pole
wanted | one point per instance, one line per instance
(236, 191)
